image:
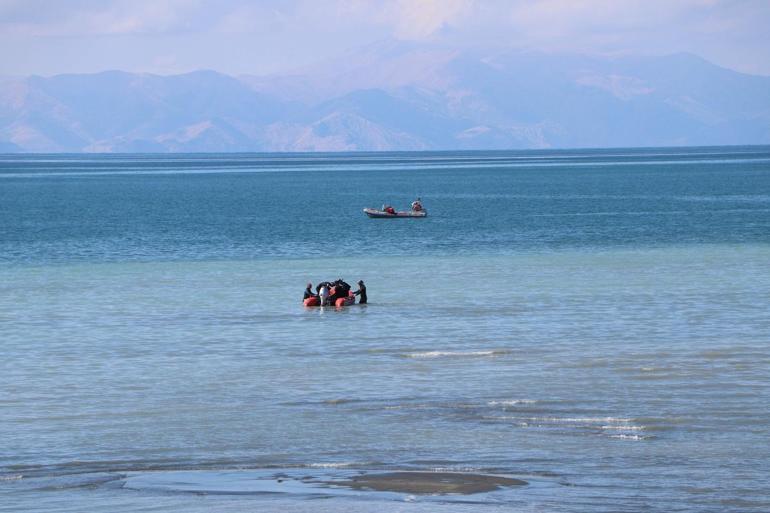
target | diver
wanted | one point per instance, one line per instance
(361, 292)
(343, 287)
(417, 205)
(309, 292)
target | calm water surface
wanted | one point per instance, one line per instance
(595, 323)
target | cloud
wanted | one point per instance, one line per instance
(291, 32)
(422, 19)
(79, 18)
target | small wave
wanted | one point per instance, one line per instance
(13, 477)
(511, 402)
(423, 406)
(624, 427)
(340, 464)
(454, 468)
(456, 354)
(616, 425)
(630, 437)
(578, 421)
(405, 406)
(582, 420)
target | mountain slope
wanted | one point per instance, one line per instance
(395, 96)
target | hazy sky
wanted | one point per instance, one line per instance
(257, 37)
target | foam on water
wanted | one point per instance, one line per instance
(457, 354)
(511, 402)
(631, 437)
(336, 465)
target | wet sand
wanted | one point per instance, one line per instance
(429, 482)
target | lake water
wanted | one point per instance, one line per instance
(593, 322)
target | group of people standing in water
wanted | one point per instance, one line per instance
(327, 292)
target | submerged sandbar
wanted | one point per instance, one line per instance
(429, 482)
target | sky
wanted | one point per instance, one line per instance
(48, 37)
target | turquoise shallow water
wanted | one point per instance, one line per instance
(600, 331)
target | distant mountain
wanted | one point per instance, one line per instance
(117, 111)
(394, 96)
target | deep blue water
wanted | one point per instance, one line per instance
(188, 207)
(592, 322)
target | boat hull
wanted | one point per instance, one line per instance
(381, 214)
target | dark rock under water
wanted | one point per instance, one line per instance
(430, 482)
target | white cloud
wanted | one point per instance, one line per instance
(422, 18)
(79, 18)
(732, 33)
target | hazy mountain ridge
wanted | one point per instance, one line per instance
(394, 96)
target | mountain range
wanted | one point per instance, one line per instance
(394, 96)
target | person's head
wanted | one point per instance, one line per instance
(309, 285)
(360, 283)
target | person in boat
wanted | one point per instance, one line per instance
(308, 292)
(338, 289)
(361, 292)
(334, 293)
(342, 287)
(389, 210)
(417, 205)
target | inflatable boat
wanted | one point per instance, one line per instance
(339, 302)
(373, 212)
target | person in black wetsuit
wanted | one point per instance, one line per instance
(344, 287)
(361, 292)
(340, 289)
(308, 292)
